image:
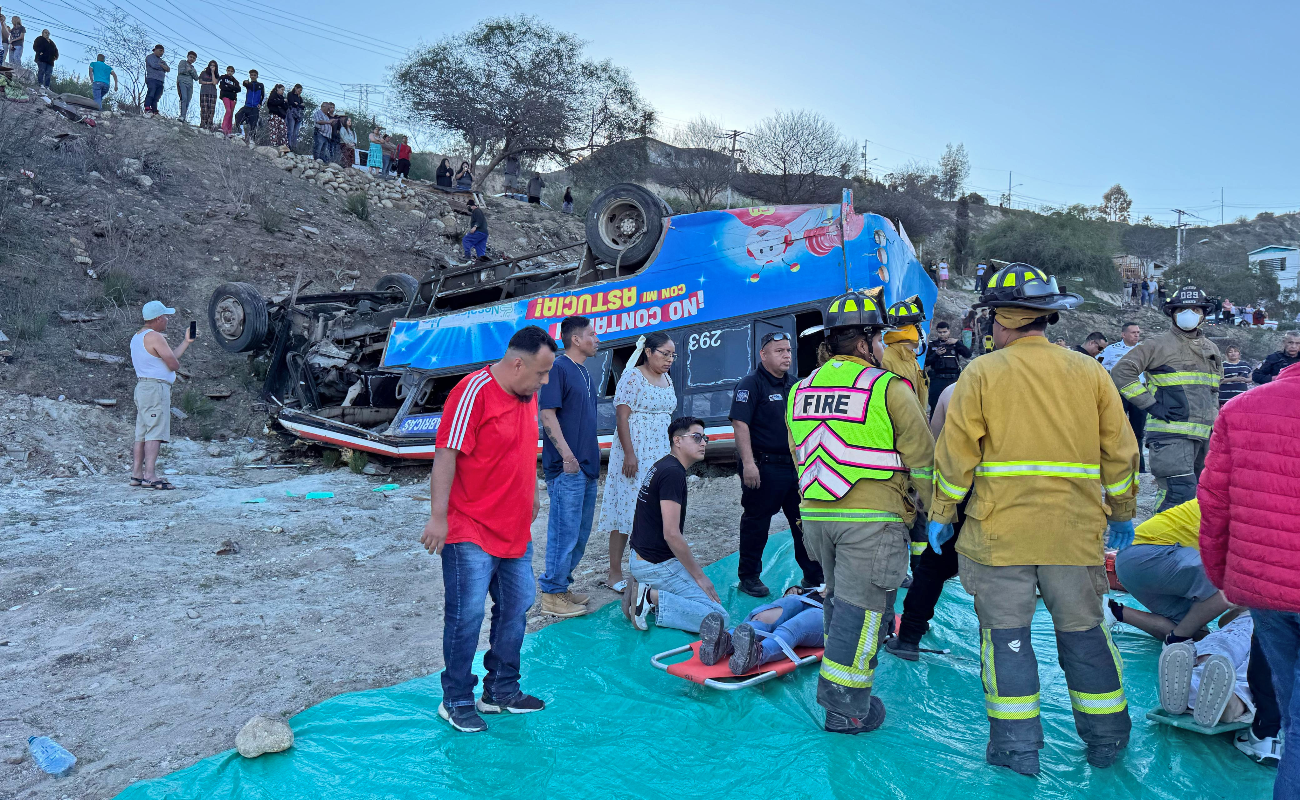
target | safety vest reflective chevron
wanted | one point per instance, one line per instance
(841, 429)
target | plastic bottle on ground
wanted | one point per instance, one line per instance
(50, 756)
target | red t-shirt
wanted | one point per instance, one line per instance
(404, 151)
(492, 494)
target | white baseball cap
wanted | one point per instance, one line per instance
(155, 309)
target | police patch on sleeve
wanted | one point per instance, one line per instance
(742, 395)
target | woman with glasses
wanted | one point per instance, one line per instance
(644, 403)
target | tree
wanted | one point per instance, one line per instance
(124, 43)
(961, 236)
(1057, 243)
(696, 166)
(954, 169)
(516, 86)
(1115, 204)
(1235, 281)
(806, 153)
(1149, 242)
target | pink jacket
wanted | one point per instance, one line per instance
(1250, 497)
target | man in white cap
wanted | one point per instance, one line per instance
(155, 370)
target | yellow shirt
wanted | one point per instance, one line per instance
(1180, 525)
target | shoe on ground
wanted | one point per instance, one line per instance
(1174, 676)
(1024, 762)
(557, 604)
(747, 650)
(1104, 755)
(636, 604)
(754, 587)
(840, 723)
(715, 641)
(519, 704)
(908, 651)
(463, 718)
(577, 598)
(1108, 616)
(1266, 751)
(907, 582)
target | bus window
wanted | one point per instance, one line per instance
(717, 356)
(617, 360)
(806, 355)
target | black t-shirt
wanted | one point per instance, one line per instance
(478, 220)
(228, 86)
(759, 401)
(666, 480)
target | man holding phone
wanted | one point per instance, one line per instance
(155, 365)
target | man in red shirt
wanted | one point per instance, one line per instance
(484, 474)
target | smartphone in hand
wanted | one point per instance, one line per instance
(194, 330)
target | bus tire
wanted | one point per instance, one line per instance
(624, 224)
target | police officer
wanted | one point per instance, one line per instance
(942, 363)
(1184, 368)
(1037, 437)
(859, 436)
(768, 479)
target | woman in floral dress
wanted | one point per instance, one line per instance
(644, 403)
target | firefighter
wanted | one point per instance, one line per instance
(858, 437)
(1184, 368)
(905, 317)
(1036, 435)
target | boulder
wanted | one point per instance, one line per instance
(263, 734)
(269, 152)
(144, 180)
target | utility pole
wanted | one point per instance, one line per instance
(1178, 250)
(734, 136)
(1220, 205)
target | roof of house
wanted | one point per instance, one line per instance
(1273, 248)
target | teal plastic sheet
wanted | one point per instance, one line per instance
(615, 727)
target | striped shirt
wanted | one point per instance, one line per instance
(1229, 390)
(495, 435)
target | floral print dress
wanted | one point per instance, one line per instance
(652, 409)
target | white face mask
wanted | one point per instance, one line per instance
(1188, 319)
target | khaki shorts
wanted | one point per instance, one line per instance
(153, 411)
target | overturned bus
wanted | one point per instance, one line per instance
(716, 281)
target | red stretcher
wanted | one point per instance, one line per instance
(719, 675)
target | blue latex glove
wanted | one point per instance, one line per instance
(1119, 535)
(938, 533)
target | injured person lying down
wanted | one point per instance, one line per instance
(770, 632)
(1209, 677)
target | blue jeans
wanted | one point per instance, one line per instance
(468, 575)
(1279, 636)
(16, 55)
(320, 147)
(43, 74)
(476, 241)
(99, 89)
(184, 93)
(292, 122)
(151, 95)
(682, 603)
(573, 508)
(800, 625)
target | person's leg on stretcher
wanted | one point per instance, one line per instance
(770, 632)
(1208, 677)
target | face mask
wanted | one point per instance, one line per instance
(1188, 319)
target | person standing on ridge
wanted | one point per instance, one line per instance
(1184, 368)
(859, 440)
(1035, 434)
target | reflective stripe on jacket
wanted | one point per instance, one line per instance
(1038, 436)
(1183, 372)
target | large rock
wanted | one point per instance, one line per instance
(263, 734)
(269, 152)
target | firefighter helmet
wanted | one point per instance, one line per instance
(907, 312)
(1020, 285)
(854, 310)
(1188, 297)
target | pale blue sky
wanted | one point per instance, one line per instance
(1173, 100)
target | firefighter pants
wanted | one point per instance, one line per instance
(1005, 603)
(1176, 464)
(864, 557)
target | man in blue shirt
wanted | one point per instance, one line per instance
(571, 464)
(255, 91)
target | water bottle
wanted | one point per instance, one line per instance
(50, 756)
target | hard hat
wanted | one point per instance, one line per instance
(1188, 297)
(854, 310)
(907, 312)
(1020, 285)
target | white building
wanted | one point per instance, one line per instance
(1284, 261)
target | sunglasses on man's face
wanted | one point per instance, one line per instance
(700, 438)
(775, 337)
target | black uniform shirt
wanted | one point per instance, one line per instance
(759, 402)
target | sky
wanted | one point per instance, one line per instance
(1178, 102)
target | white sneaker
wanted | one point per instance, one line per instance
(1262, 751)
(1108, 617)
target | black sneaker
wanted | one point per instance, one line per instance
(715, 642)
(754, 587)
(908, 651)
(747, 649)
(1103, 755)
(839, 723)
(463, 718)
(519, 704)
(907, 582)
(1024, 762)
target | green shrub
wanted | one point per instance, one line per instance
(271, 219)
(1060, 244)
(358, 205)
(358, 460)
(331, 457)
(119, 288)
(27, 324)
(201, 410)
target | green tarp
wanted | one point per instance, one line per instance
(615, 727)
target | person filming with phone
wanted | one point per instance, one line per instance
(155, 365)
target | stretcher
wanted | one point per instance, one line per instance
(719, 675)
(1187, 723)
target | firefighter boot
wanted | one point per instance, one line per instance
(1092, 669)
(1009, 671)
(849, 662)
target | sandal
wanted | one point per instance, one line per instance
(137, 481)
(161, 483)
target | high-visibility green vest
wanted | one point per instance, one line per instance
(841, 429)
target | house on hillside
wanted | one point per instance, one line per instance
(1283, 260)
(1133, 269)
